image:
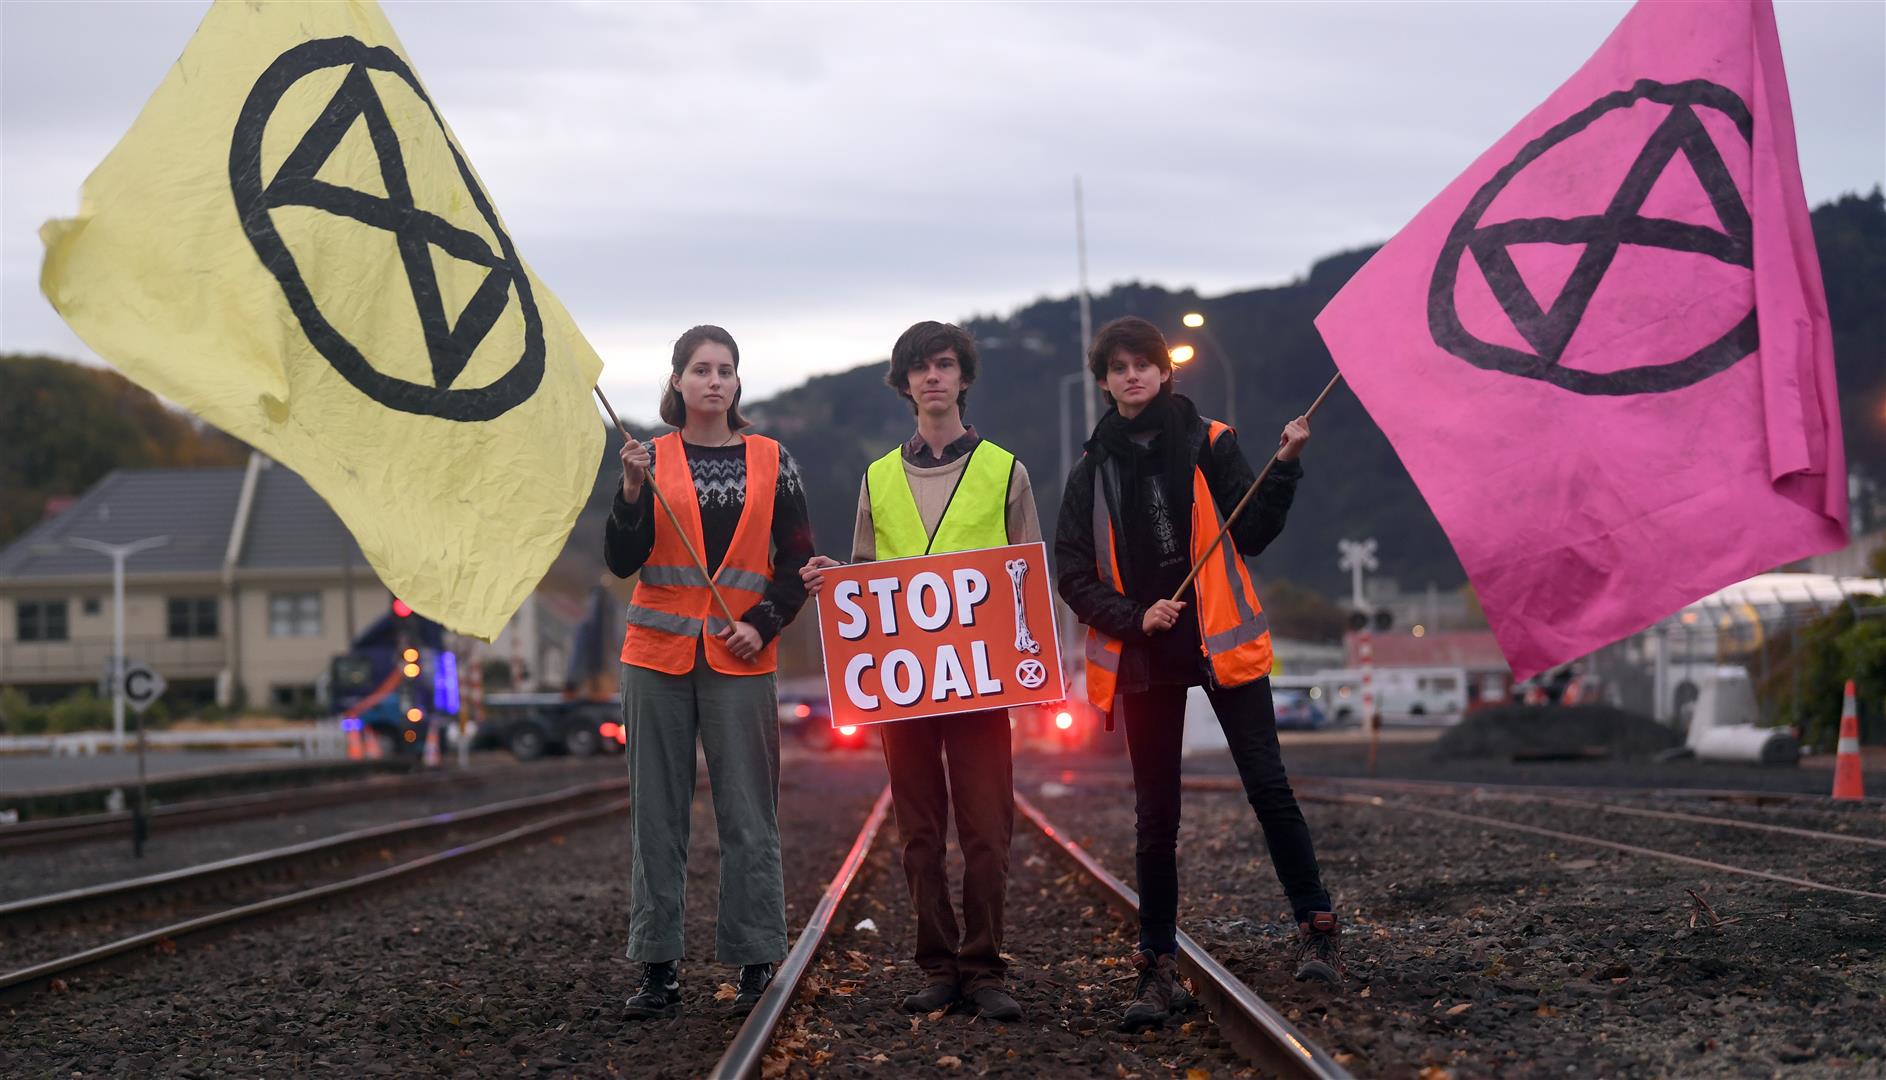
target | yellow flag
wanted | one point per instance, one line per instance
(291, 243)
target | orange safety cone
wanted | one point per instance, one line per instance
(1847, 781)
(432, 746)
(354, 750)
(372, 740)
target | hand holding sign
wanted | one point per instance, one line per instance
(918, 637)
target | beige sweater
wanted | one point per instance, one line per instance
(931, 488)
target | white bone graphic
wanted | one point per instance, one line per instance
(1024, 641)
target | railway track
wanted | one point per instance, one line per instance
(82, 828)
(1259, 1032)
(21, 918)
(546, 814)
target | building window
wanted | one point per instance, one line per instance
(40, 620)
(292, 700)
(92, 605)
(191, 616)
(296, 614)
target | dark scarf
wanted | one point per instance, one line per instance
(1170, 456)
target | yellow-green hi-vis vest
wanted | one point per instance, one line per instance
(976, 517)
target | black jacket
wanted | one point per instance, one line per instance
(1093, 599)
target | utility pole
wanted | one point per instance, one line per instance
(1357, 556)
(117, 553)
(1088, 399)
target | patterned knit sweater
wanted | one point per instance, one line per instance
(720, 483)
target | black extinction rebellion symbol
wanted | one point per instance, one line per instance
(1549, 329)
(449, 345)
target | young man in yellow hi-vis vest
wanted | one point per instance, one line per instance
(947, 489)
(1143, 505)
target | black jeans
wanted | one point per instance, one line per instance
(1155, 729)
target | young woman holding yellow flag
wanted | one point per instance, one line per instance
(699, 664)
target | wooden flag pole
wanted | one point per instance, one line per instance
(699, 563)
(1233, 516)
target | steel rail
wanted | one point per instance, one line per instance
(1259, 1032)
(66, 830)
(25, 978)
(1377, 801)
(62, 903)
(1516, 793)
(748, 1048)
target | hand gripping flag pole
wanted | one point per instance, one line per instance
(1233, 516)
(699, 563)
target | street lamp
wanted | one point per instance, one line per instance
(1196, 320)
(117, 553)
(1183, 353)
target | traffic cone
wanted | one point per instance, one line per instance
(1847, 781)
(372, 741)
(353, 744)
(432, 746)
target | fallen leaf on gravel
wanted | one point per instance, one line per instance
(725, 993)
(1460, 1008)
(1578, 864)
(557, 841)
(1435, 1072)
(1196, 1073)
(58, 986)
(935, 1016)
(867, 926)
(950, 1061)
(1364, 993)
(1545, 1010)
(879, 1059)
(166, 946)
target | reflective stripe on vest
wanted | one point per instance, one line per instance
(672, 608)
(976, 517)
(1234, 633)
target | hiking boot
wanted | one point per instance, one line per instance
(994, 1003)
(1319, 949)
(938, 995)
(660, 994)
(1157, 995)
(754, 979)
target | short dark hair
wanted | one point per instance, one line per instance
(674, 412)
(921, 342)
(1131, 334)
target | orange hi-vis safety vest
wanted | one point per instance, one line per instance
(1234, 634)
(672, 607)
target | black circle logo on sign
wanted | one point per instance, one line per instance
(1549, 329)
(449, 345)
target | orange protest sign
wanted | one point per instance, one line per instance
(939, 634)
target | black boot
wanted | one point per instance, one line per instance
(754, 979)
(660, 995)
(1157, 995)
(938, 995)
(995, 1003)
(1319, 949)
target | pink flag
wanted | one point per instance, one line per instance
(1603, 352)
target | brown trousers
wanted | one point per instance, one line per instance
(978, 777)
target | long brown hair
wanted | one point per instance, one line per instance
(674, 412)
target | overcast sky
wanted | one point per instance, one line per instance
(817, 176)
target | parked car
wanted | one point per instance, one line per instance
(1296, 710)
(531, 725)
(806, 714)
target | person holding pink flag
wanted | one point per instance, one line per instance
(1603, 351)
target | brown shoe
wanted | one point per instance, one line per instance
(1319, 949)
(1157, 994)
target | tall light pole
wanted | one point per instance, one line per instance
(1196, 320)
(1089, 406)
(1068, 443)
(117, 553)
